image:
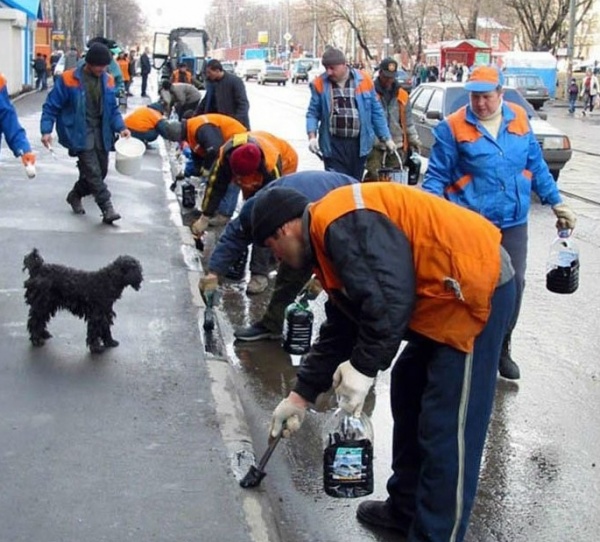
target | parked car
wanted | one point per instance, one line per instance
(432, 102)
(531, 86)
(272, 74)
(405, 79)
(300, 68)
(228, 67)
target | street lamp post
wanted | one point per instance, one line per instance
(570, 46)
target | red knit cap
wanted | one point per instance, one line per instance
(245, 159)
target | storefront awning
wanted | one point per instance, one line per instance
(32, 8)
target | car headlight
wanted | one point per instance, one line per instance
(557, 142)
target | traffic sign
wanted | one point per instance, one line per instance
(287, 36)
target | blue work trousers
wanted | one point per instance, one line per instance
(345, 157)
(441, 405)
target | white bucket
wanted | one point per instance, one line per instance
(129, 155)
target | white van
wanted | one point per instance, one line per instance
(249, 69)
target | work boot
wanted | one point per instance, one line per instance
(75, 202)
(257, 284)
(255, 332)
(508, 368)
(109, 215)
(380, 514)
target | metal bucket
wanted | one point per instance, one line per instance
(398, 174)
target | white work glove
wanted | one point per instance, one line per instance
(390, 145)
(28, 160)
(351, 388)
(200, 226)
(313, 146)
(286, 413)
(566, 218)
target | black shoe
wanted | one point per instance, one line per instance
(75, 202)
(109, 215)
(379, 514)
(507, 367)
(256, 332)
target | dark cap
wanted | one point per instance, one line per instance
(388, 67)
(333, 57)
(274, 207)
(98, 55)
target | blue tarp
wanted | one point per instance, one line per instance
(32, 8)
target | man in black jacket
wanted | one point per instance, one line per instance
(146, 68)
(225, 94)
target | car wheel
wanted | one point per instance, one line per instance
(283, 84)
(537, 106)
(555, 174)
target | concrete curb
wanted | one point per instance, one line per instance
(233, 426)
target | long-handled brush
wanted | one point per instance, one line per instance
(255, 474)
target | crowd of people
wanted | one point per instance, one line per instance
(446, 260)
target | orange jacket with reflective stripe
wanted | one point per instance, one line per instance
(278, 158)
(226, 124)
(455, 256)
(143, 119)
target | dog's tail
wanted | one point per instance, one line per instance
(33, 262)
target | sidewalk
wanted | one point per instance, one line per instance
(140, 443)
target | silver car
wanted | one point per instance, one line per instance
(272, 74)
(432, 102)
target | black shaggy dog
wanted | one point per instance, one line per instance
(87, 294)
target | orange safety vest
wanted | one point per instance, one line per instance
(176, 75)
(124, 65)
(402, 98)
(226, 124)
(279, 157)
(143, 119)
(450, 245)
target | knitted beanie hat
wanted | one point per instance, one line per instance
(245, 159)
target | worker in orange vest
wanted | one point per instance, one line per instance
(123, 63)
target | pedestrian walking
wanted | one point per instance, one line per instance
(225, 94)
(397, 111)
(238, 235)
(41, 74)
(83, 105)
(145, 68)
(486, 158)
(589, 91)
(14, 134)
(573, 93)
(400, 264)
(345, 113)
(250, 160)
(71, 58)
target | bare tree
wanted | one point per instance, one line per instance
(543, 23)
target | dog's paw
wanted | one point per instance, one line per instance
(38, 341)
(46, 334)
(97, 348)
(111, 343)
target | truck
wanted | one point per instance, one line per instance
(180, 45)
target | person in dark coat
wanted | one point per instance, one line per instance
(225, 94)
(146, 68)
